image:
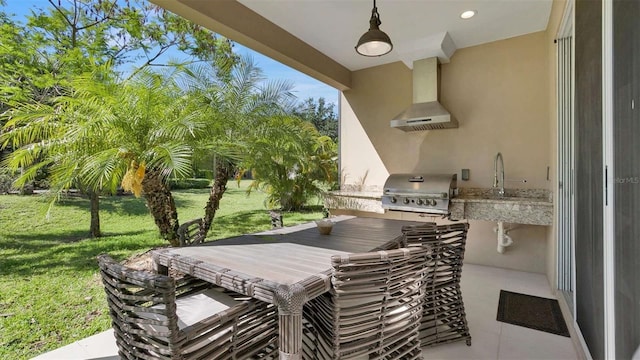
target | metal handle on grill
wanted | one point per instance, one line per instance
(416, 179)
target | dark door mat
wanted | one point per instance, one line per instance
(533, 312)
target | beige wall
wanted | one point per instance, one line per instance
(364, 122)
(499, 92)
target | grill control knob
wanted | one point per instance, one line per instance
(405, 200)
(393, 200)
(419, 202)
(433, 202)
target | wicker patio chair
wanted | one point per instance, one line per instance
(276, 219)
(189, 233)
(373, 309)
(444, 318)
(157, 317)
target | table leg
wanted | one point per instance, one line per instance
(160, 269)
(290, 300)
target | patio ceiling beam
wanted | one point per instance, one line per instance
(237, 22)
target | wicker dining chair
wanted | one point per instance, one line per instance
(444, 318)
(189, 233)
(373, 309)
(158, 317)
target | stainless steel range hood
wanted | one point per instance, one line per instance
(426, 113)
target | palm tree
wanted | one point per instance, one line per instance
(60, 134)
(233, 105)
(105, 133)
(150, 135)
(291, 161)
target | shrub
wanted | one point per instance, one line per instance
(6, 180)
(291, 162)
(41, 184)
(180, 184)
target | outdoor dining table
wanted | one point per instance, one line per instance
(285, 266)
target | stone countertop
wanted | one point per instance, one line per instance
(367, 201)
(535, 196)
(358, 194)
(502, 199)
(490, 195)
(524, 206)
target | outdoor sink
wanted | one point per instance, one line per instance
(532, 207)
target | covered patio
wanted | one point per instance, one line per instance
(481, 287)
(508, 76)
(544, 84)
(492, 339)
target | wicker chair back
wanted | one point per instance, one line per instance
(144, 310)
(189, 233)
(444, 318)
(373, 310)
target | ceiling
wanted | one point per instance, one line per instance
(417, 28)
(318, 37)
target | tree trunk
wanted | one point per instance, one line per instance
(223, 171)
(94, 229)
(161, 205)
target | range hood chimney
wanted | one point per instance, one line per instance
(425, 113)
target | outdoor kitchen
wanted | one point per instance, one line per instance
(491, 112)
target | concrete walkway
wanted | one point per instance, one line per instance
(101, 346)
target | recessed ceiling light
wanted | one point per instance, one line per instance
(468, 14)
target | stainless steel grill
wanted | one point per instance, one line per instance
(425, 193)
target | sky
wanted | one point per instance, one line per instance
(304, 86)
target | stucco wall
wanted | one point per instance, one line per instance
(499, 92)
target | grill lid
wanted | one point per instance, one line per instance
(438, 185)
(429, 193)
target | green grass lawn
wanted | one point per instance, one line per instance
(50, 289)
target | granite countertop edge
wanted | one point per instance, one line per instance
(482, 195)
(359, 194)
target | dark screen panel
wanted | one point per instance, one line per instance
(626, 187)
(589, 174)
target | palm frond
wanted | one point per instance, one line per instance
(102, 169)
(29, 173)
(173, 158)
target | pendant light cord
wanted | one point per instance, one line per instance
(375, 15)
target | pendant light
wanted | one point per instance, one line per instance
(374, 42)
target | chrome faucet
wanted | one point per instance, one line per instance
(495, 174)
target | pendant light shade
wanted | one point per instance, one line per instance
(374, 42)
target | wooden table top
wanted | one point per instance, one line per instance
(284, 256)
(282, 263)
(349, 234)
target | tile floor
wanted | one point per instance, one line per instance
(491, 339)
